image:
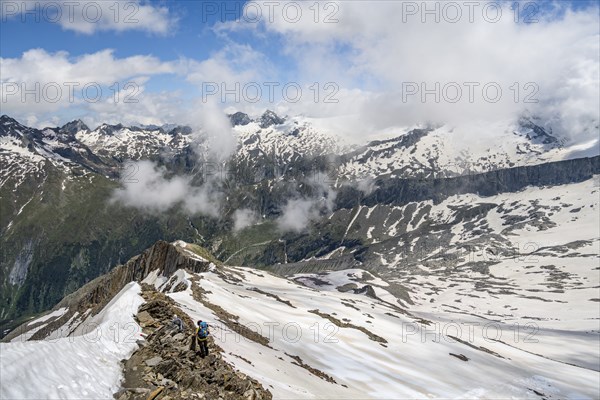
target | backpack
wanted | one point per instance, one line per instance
(203, 330)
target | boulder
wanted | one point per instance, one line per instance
(145, 319)
(154, 361)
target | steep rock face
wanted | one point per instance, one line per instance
(269, 118)
(239, 118)
(162, 256)
(165, 257)
(404, 191)
(74, 126)
(65, 238)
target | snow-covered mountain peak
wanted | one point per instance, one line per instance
(11, 127)
(286, 142)
(239, 118)
(295, 143)
(74, 127)
(269, 118)
(5, 120)
(106, 129)
(451, 151)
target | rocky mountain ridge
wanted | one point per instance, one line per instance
(95, 295)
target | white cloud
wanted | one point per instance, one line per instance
(90, 16)
(377, 49)
(232, 63)
(243, 218)
(298, 213)
(148, 188)
(212, 130)
(234, 75)
(107, 89)
(39, 83)
(148, 109)
(38, 65)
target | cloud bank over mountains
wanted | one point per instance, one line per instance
(363, 67)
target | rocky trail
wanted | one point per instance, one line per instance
(167, 367)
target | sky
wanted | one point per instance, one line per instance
(357, 66)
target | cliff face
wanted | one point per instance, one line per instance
(404, 191)
(162, 256)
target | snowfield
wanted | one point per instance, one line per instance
(85, 365)
(493, 324)
(317, 343)
(379, 351)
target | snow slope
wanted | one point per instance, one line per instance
(285, 143)
(448, 151)
(312, 340)
(131, 142)
(82, 366)
(374, 349)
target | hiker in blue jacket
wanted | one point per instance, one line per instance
(202, 338)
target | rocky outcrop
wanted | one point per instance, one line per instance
(166, 366)
(71, 128)
(269, 118)
(164, 256)
(239, 118)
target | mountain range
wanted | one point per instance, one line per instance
(408, 231)
(306, 193)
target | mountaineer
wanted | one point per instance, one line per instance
(202, 338)
(178, 323)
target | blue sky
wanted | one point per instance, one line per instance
(192, 36)
(368, 52)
